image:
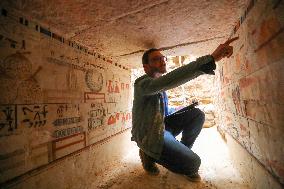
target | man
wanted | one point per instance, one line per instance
(152, 129)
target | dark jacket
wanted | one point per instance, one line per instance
(148, 107)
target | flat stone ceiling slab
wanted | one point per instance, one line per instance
(122, 29)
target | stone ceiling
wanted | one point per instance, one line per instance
(122, 29)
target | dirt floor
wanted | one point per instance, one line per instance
(216, 169)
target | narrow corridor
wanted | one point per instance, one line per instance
(67, 88)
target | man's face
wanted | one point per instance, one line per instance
(157, 62)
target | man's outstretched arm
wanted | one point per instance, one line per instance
(181, 75)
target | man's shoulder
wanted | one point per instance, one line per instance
(142, 78)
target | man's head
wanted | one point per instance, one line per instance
(154, 63)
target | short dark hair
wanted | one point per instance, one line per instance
(145, 57)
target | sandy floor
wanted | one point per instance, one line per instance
(216, 169)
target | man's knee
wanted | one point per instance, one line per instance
(197, 164)
(198, 161)
(199, 114)
(193, 165)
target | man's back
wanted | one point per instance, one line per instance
(147, 119)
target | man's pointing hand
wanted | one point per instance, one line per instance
(224, 50)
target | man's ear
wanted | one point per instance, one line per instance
(146, 68)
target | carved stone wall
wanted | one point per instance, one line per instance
(250, 88)
(56, 97)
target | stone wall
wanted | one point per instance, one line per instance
(57, 98)
(250, 91)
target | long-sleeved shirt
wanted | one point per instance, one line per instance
(148, 110)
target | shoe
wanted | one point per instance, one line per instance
(148, 163)
(195, 177)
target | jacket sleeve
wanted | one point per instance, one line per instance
(179, 76)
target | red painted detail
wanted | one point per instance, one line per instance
(54, 148)
(117, 116)
(110, 87)
(111, 120)
(245, 82)
(237, 26)
(237, 100)
(116, 89)
(123, 117)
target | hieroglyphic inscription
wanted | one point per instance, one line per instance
(67, 132)
(37, 103)
(8, 119)
(67, 114)
(67, 109)
(66, 121)
(119, 116)
(34, 115)
(97, 114)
